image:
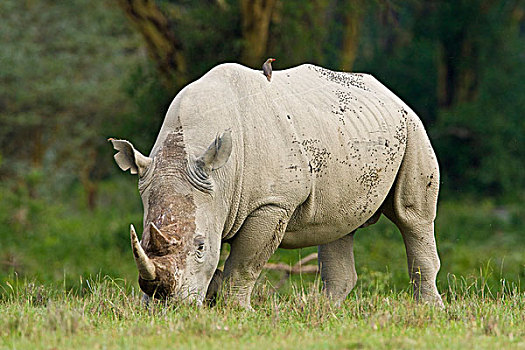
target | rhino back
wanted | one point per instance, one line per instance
(324, 145)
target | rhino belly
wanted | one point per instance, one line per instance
(332, 217)
(309, 236)
(330, 222)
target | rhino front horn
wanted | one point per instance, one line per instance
(144, 264)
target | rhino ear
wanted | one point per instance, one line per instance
(217, 153)
(128, 157)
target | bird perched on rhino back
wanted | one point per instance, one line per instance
(267, 68)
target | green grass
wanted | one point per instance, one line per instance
(59, 240)
(108, 314)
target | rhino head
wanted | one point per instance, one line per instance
(183, 215)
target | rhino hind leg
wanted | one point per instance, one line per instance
(336, 262)
(423, 260)
(411, 205)
(258, 238)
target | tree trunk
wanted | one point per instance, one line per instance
(161, 41)
(37, 154)
(389, 20)
(256, 16)
(458, 79)
(353, 16)
(459, 63)
(89, 185)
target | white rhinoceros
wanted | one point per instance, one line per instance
(303, 160)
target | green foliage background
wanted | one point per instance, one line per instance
(74, 73)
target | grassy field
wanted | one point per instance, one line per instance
(68, 280)
(108, 314)
(59, 241)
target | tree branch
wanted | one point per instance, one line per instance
(162, 43)
(297, 268)
(256, 16)
(352, 23)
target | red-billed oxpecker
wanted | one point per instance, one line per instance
(267, 68)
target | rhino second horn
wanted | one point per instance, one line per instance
(156, 235)
(144, 264)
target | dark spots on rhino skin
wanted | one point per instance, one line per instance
(342, 78)
(361, 210)
(400, 136)
(429, 184)
(318, 155)
(288, 116)
(370, 177)
(345, 103)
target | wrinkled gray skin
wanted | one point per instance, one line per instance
(303, 161)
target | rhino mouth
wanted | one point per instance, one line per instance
(157, 290)
(154, 288)
(160, 276)
(165, 284)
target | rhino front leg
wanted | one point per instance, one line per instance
(213, 287)
(145, 300)
(251, 248)
(336, 262)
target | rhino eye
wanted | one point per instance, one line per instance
(199, 245)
